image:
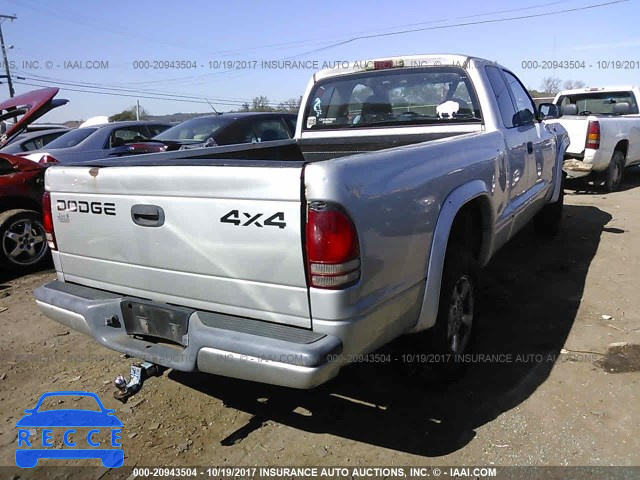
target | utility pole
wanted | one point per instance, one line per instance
(4, 54)
(138, 110)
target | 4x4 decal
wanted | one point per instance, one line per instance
(234, 217)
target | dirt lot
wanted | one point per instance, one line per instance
(565, 396)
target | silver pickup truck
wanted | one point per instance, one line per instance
(282, 261)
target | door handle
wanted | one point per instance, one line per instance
(147, 215)
(529, 147)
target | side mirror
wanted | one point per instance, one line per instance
(3, 127)
(548, 110)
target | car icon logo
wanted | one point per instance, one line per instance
(29, 451)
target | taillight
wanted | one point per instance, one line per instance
(333, 254)
(48, 159)
(593, 134)
(47, 221)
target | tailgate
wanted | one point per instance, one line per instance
(577, 129)
(219, 238)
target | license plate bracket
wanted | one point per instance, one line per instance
(154, 320)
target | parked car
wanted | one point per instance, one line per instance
(111, 140)
(22, 234)
(283, 261)
(228, 129)
(17, 114)
(34, 140)
(604, 129)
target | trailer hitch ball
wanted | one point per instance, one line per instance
(139, 373)
(120, 382)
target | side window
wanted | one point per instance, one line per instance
(50, 137)
(501, 92)
(319, 110)
(523, 100)
(6, 168)
(32, 145)
(270, 129)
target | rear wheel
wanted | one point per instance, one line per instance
(614, 172)
(452, 334)
(22, 237)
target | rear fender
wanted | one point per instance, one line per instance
(453, 203)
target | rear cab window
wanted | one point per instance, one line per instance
(599, 103)
(394, 97)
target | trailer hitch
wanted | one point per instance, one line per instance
(139, 373)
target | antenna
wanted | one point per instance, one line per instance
(211, 105)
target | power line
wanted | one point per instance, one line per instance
(203, 102)
(41, 78)
(321, 41)
(88, 22)
(393, 33)
(234, 102)
(464, 24)
(117, 94)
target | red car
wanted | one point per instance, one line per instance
(22, 238)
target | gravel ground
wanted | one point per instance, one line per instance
(563, 314)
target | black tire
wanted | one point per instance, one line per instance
(23, 244)
(615, 172)
(547, 221)
(452, 336)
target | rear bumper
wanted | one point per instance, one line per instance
(590, 160)
(214, 343)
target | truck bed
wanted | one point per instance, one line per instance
(276, 153)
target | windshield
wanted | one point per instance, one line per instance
(599, 103)
(196, 129)
(72, 138)
(393, 98)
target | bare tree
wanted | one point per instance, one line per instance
(290, 105)
(261, 104)
(551, 85)
(570, 84)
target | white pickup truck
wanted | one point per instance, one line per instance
(282, 261)
(604, 128)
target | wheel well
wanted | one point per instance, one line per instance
(10, 203)
(622, 146)
(470, 227)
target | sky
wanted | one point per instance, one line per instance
(126, 44)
